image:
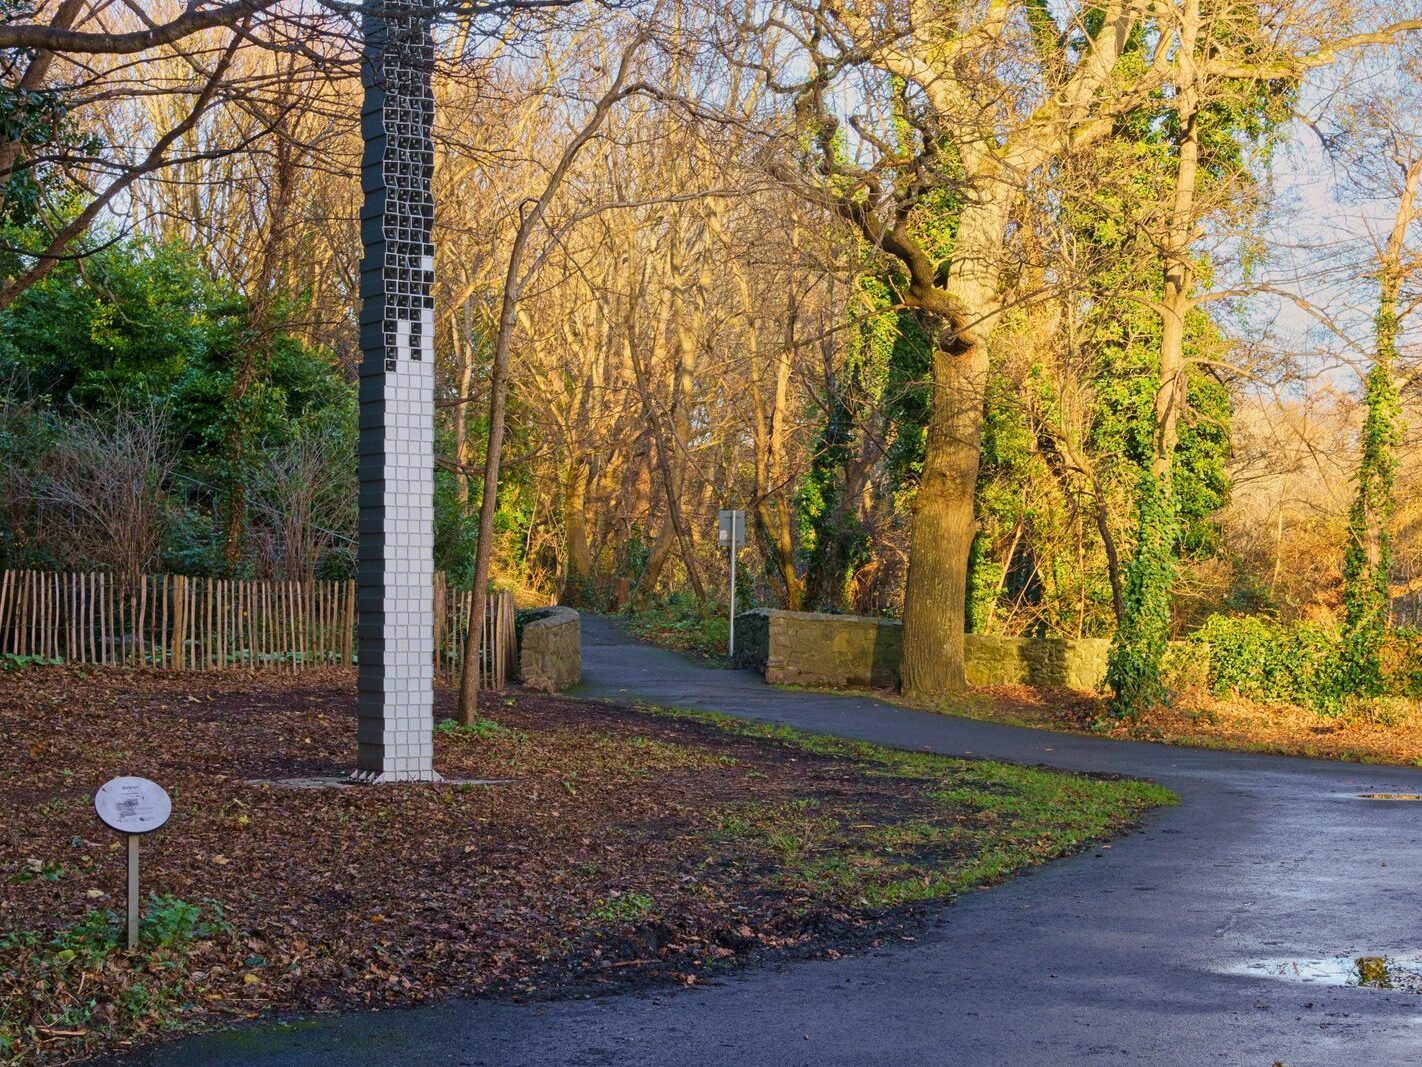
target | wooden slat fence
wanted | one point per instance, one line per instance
(182, 623)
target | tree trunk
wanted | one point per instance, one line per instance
(944, 522)
(463, 445)
(575, 525)
(652, 572)
(685, 387)
(844, 532)
(1059, 447)
(1175, 305)
(1108, 542)
(1368, 556)
(772, 504)
(1133, 670)
(944, 525)
(1176, 302)
(671, 438)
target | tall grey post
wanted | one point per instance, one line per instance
(395, 737)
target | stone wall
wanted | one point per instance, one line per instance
(550, 650)
(1052, 662)
(809, 648)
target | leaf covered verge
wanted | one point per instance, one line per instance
(623, 847)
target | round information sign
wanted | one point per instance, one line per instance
(132, 805)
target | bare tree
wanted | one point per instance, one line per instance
(104, 493)
(515, 279)
(307, 492)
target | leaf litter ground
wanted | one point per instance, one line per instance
(626, 846)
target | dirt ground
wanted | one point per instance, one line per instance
(619, 847)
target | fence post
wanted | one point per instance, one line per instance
(289, 592)
(262, 623)
(142, 619)
(113, 626)
(20, 617)
(245, 616)
(221, 613)
(36, 603)
(44, 614)
(5, 611)
(303, 618)
(17, 614)
(101, 598)
(510, 638)
(180, 656)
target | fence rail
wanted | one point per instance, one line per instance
(181, 623)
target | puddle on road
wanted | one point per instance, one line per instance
(1401, 973)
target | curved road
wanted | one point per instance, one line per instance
(1120, 956)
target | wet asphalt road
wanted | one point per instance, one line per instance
(1122, 955)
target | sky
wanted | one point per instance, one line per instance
(1314, 225)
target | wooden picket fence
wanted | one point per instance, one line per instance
(180, 623)
(499, 643)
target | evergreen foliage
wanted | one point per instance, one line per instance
(1368, 555)
(1133, 670)
(1174, 510)
(1263, 659)
(141, 324)
(832, 540)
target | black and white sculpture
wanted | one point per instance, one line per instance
(395, 739)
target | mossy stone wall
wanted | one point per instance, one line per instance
(810, 648)
(1051, 662)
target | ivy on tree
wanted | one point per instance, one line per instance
(1369, 550)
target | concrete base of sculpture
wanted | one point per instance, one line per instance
(381, 777)
(345, 781)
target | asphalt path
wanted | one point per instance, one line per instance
(1135, 954)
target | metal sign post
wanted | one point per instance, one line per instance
(731, 534)
(132, 890)
(133, 807)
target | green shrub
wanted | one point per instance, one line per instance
(10, 661)
(1184, 668)
(684, 623)
(1402, 663)
(479, 728)
(622, 908)
(1264, 659)
(1299, 663)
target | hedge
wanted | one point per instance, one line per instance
(1297, 663)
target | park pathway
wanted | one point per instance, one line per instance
(1123, 955)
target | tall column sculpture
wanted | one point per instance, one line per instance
(395, 736)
